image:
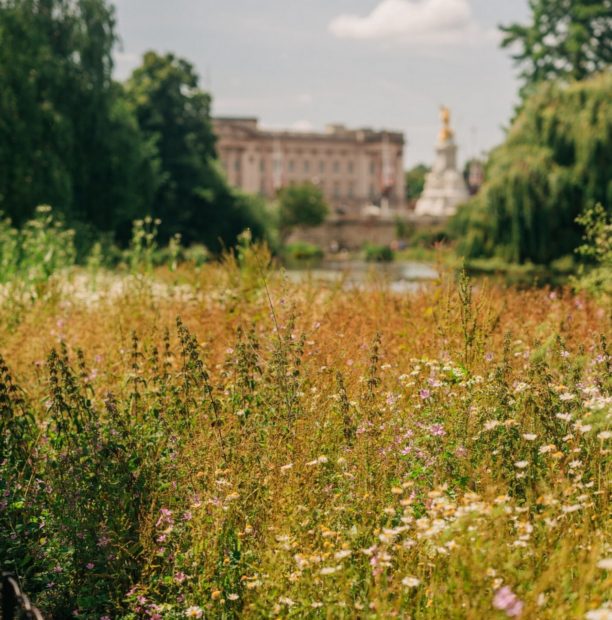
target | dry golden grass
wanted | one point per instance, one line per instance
(352, 454)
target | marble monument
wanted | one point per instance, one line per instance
(445, 187)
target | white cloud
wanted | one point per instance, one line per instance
(437, 22)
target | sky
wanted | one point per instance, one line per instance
(302, 64)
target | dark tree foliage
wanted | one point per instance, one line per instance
(415, 181)
(193, 198)
(555, 163)
(300, 205)
(566, 39)
(66, 136)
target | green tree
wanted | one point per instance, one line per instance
(415, 181)
(66, 137)
(566, 39)
(193, 198)
(300, 206)
(555, 163)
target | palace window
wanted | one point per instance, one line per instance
(336, 167)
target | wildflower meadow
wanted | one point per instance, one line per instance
(217, 441)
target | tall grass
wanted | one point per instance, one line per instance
(296, 451)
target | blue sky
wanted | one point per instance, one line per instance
(375, 63)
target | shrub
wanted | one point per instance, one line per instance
(378, 253)
(301, 251)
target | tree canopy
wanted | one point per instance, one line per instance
(415, 181)
(566, 39)
(103, 153)
(300, 205)
(192, 198)
(66, 138)
(555, 163)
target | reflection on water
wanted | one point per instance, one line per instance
(400, 277)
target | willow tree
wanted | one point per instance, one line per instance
(555, 163)
(564, 40)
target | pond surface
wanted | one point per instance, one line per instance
(399, 276)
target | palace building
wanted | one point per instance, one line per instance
(360, 171)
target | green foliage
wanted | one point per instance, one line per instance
(556, 162)
(66, 137)
(196, 254)
(40, 249)
(301, 251)
(378, 253)
(300, 206)
(566, 39)
(102, 153)
(596, 276)
(415, 181)
(140, 255)
(193, 198)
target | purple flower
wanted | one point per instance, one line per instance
(180, 577)
(165, 517)
(89, 565)
(506, 600)
(437, 430)
(103, 541)
(424, 394)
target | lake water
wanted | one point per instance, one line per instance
(399, 276)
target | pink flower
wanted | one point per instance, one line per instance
(103, 541)
(424, 394)
(506, 600)
(89, 565)
(437, 430)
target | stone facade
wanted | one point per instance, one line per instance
(360, 171)
(348, 234)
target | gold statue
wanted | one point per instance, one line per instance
(446, 133)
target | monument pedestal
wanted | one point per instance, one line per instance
(445, 188)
